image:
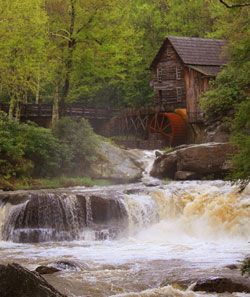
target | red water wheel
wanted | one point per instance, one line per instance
(170, 126)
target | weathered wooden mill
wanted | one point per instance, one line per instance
(181, 71)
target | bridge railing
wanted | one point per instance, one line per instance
(74, 110)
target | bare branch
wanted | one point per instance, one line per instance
(234, 5)
(62, 36)
(63, 30)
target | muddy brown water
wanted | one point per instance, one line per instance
(176, 233)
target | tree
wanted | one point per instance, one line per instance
(22, 49)
(231, 87)
(94, 44)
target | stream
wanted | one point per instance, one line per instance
(144, 239)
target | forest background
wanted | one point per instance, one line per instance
(98, 53)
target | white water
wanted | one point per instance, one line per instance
(178, 233)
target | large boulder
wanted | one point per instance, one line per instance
(20, 282)
(220, 285)
(208, 158)
(165, 166)
(194, 162)
(116, 164)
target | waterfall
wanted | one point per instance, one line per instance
(141, 210)
(197, 209)
(201, 210)
(46, 216)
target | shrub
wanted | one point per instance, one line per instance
(29, 150)
(43, 149)
(26, 149)
(222, 95)
(12, 147)
(78, 144)
(241, 139)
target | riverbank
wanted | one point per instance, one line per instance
(50, 183)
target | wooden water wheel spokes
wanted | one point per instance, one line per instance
(171, 126)
(160, 124)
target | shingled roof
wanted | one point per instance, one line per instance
(196, 51)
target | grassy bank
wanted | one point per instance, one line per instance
(49, 183)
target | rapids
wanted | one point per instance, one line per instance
(147, 240)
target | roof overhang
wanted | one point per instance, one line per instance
(208, 71)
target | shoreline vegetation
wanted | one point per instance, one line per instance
(36, 157)
(50, 183)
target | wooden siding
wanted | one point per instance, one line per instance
(166, 83)
(196, 84)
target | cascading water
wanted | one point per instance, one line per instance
(129, 238)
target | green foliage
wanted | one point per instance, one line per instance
(224, 93)
(230, 90)
(245, 268)
(241, 138)
(23, 33)
(167, 149)
(190, 18)
(78, 144)
(29, 150)
(43, 149)
(12, 149)
(26, 149)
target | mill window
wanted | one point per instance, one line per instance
(179, 94)
(159, 74)
(178, 73)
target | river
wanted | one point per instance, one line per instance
(174, 234)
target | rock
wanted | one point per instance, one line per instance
(42, 216)
(194, 162)
(186, 175)
(220, 285)
(232, 266)
(67, 265)
(16, 281)
(216, 130)
(158, 154)
(46, 269)
(116, 164)
(165, 166)
(205, 159)
(107, 210)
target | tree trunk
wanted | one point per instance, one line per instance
(38, 89)
(25, 97)
(55, 111)
(18, 110)
(12, 107)
(69, 60)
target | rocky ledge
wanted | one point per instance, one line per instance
(116, 164)
(220, 285)
(20, 282)
(190, 162)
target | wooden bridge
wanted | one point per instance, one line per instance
(74, 110)
(142, 127)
